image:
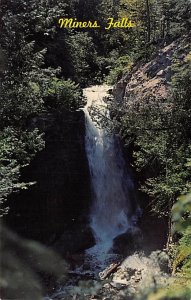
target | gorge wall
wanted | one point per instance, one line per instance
(60, 198)
(152, 79)
(145, 81)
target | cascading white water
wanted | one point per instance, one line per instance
(110, 183)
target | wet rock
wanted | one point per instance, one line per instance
(128, 242)
(147, 80)
(117, 285)
(107, 286)
(121, 277)
(162, 259)
(138, 272)
(160, 73)
(127, 277)
(132, 290)
(122, 282)
(74, 240)
(130, 271)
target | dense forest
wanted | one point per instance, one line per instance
(43, 71)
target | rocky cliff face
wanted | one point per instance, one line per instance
(145, 81)
(61, 197)
(152, 79)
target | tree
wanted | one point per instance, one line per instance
(28, 87)
(159, 132)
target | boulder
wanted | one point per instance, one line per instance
(128, 242)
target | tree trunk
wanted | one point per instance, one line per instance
(148, 21)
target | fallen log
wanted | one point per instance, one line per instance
(108, 271)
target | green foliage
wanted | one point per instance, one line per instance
(181, 216)
(121, 66)
(63, 95)
(78, 52)
(22, 262)
(182, 261)
(157, 21)
(159, 130)
(179, 286)
(83, 57)
(182, 212)
(42, 68)
(171, 181)
(17, 148)
(28, 86)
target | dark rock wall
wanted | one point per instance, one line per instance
(61, 197)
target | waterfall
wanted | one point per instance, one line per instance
(111, 209)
